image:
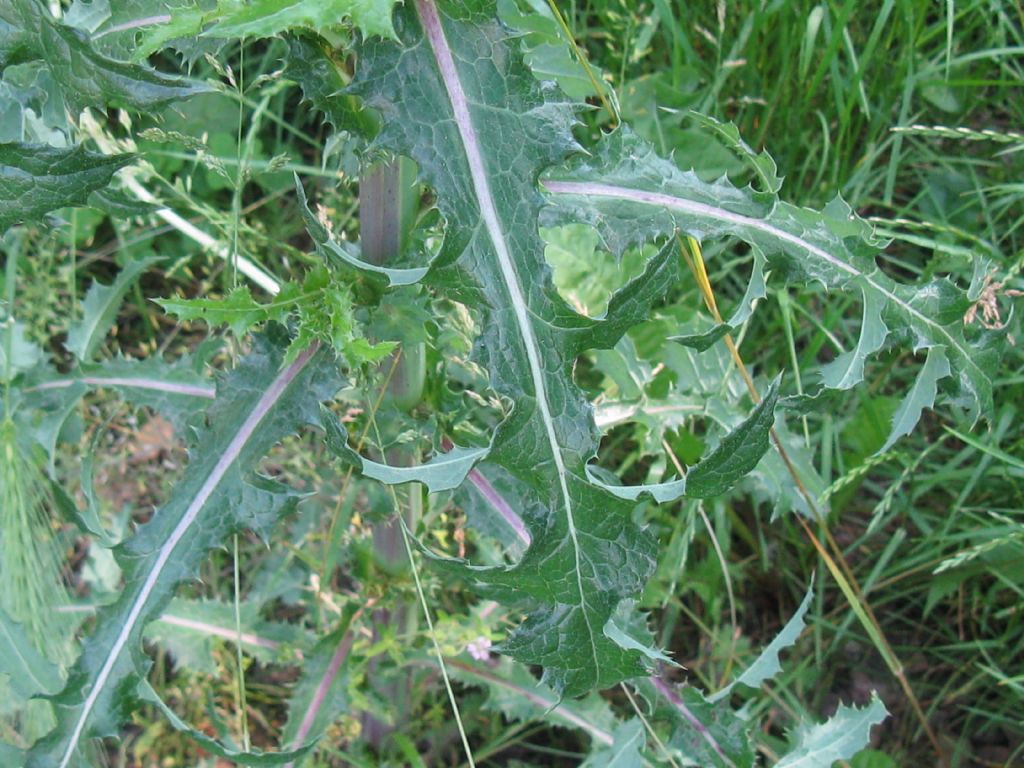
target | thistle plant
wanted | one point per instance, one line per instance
(442, 87)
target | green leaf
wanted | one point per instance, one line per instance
(84, 76)
(480, 136)
(25, 354)
(319, 307)
(444, 472)
(626, 750)
(631, 195)
(189, 629)
(174, 390)
(100, 308)
(734, 457)
(263, 18)
(341, 253)
(258, 404)
(921, 395)
(235, 755)
(36, 179)
(321, 694)
(702, 731)
(517, 695)
(231, 19)
(547, 52)
(30, 672)
(754, 292)
(839, 738)
(766, 666)
(314, 64)
(481, 130)
(239, 311)
(762, 163)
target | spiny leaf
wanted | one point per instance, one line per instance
(321, 694)
(744, 309)
(342, 256)
(630, 194)
(443, 472)
(232, 19)
(762, 163)
(921, 395)
(516, 694)
(313, 63)
(239, 311)
(738, 453)
(258, 404)
(234, 754)
(704, 732)
(36, 179)
(546, 51)
(626, 750)
(175, 390)
(766, 666)
(188, 629)
(481, 129)
(100, 310)
(86, 77)
(30, 672)
(263, 18)
(320, 308)
(839, 738)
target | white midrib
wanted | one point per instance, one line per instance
(158, 385)
(597, 189)
(231, 453)
(488, 211)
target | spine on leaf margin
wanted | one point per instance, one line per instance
(455, 96)
(257, 405)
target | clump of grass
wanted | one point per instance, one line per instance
(30, 555)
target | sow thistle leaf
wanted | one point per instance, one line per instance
(264, 18)
(631, 195)
(100, 310)
(766, 666)
(232, 19)
(30, 672)
(839, 738)
(86, 77)
(515, 693)
(456, 97)
(36, 179)
(320, 308)
(258, 404)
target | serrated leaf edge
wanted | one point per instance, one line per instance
(628, 194)
(249, 426)
(434, 33)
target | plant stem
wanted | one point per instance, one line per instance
(388, 204)
(10, 278)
